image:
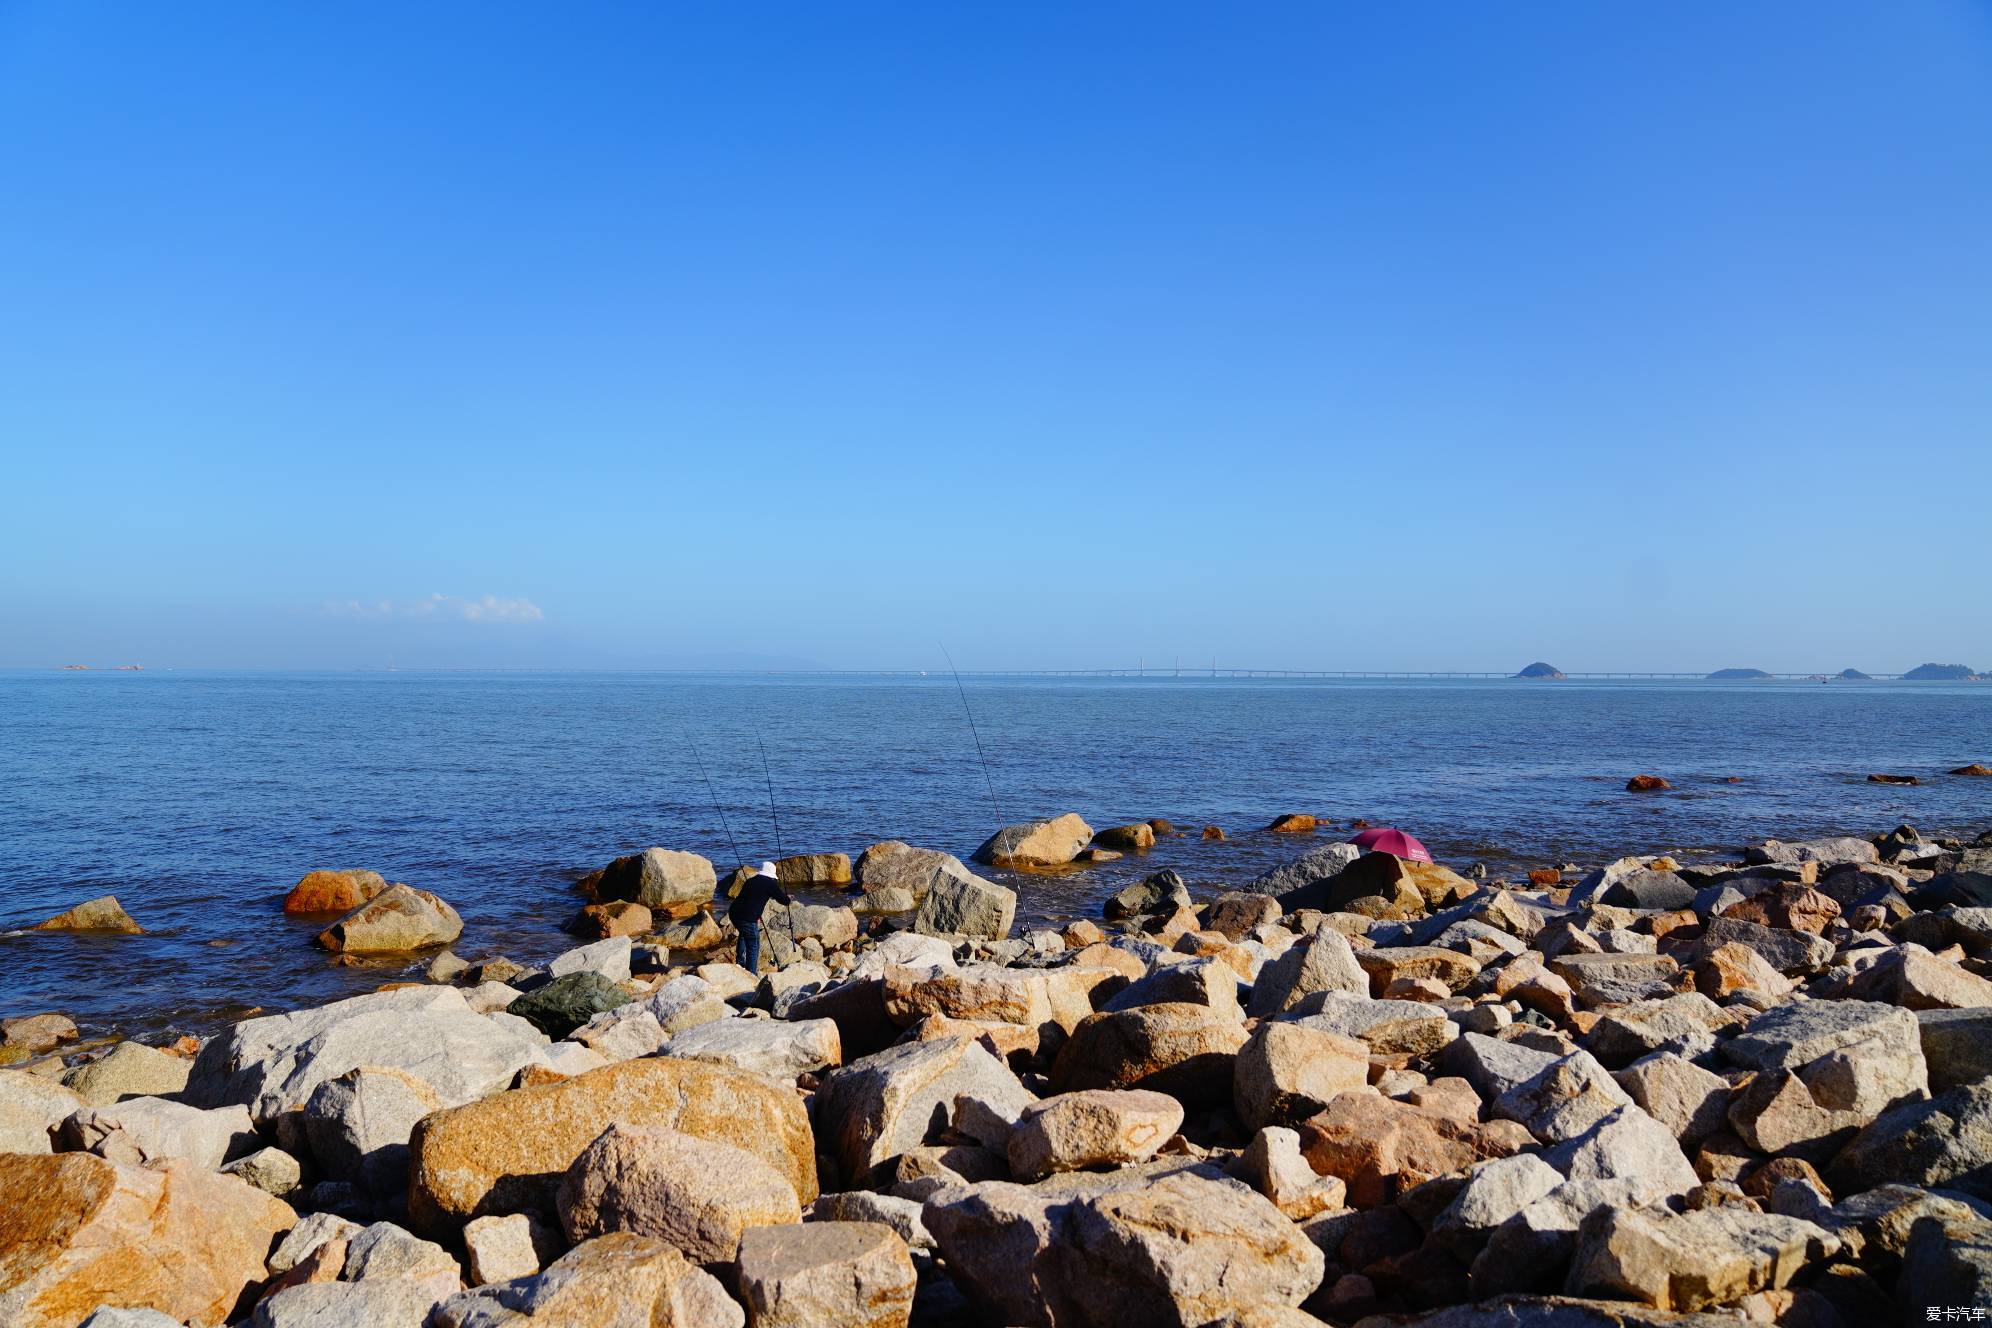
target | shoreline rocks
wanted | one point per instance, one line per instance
(1677, 1091)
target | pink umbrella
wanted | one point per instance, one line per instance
(1396, 843)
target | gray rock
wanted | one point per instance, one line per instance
(274, 1063)
(1648, 889)
(1695, 1260)
(1789, 952)
(894, 865)
(1494, 1192)
(962, 904)
(310, 1232)
(1530, 1249)
(1322, 961)
(1631, 1146)
(1164, 892)
(1957, 1045)
(1563, 1099)
(1319, 865)
(1491, 1065)
(271, 1170)
(610, 958)
(902, 1215)
(1688, 1100)
(1788, 1036)
(384, 1250)
(876, 1108)
(108, 1317)
(388, 1302)
(151, 1129)
(359, 1126)
(1389, 1027)
(774, 1048)
(1825, 852)
(1685, 1023)
(1944, 1143)
(1948, 1264)
(621, 1280)
(1209, 982)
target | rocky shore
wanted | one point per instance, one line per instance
(1363, 1089)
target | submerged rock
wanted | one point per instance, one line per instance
(102, 914)
(333, 891)
(399, 918)
(1048, 843)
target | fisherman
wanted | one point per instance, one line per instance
(745, 914)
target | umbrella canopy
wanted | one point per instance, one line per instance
(1396, 843)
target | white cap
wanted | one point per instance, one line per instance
(767, 870)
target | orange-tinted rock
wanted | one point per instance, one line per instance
(619, 917)
(1294, 823)
(1789, 905)
(77, 1232)
(1381, 1147)
(1646, 784)
(1545, 876)
(333, 891)
(1212, 832)
(1975, 770)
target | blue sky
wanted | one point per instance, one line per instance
(598, 335)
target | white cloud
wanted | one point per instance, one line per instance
(488, 609)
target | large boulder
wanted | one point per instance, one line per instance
(1692, 1261)
(852, 1274)
(273, 1064)
(1180, 1049)
(77, 1231)
(1155, 1246)
(1323, 961)
(621, 1280)
(879, 1107)
(1049, 843)
(153, 1129)
(661, 879)
(508, 1153)
(1957, 1045)
(894, 865)
(568, 1002)
(127, 1070)
(398, 919)
(697, 1194)
(1944, 1143)
(1381, 1147)
(359, 1125)
(333, 891)
(30, 1109)
(1093, 1128)
(963, 904)
(780, 1049)
(1287, 1072)
(1320, 864)
(814, 870)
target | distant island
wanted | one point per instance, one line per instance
(1940, 673)
(1854, 675)
(1540, 670)
(1728, 675)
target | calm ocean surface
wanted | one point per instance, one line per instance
(199, 798)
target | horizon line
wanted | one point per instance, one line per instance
(1138, 671)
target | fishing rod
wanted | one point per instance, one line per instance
(787, 921)
(973, 730)
(738, 861)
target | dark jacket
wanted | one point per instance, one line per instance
(753, 898)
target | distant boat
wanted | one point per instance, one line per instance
(76, 668)
(131, 668)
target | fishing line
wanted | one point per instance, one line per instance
(787, 922)
(972, 729)
(737, 859)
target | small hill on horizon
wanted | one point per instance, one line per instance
(1854, 675)
(1726, 675)
(1940, 673)
(1540, 670)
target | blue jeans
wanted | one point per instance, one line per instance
(747, 947)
